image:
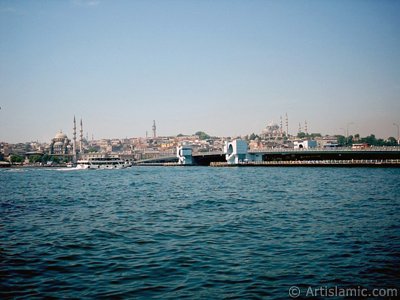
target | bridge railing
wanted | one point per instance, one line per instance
(208, 153)
(355, 162)
(338, 149)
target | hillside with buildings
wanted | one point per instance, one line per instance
(63, 149)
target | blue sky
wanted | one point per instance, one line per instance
(224, 67)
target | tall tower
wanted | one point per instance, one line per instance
(154, 128)
(74, 142)
(299, 127)
(305, 127)
(287, 125)
(281, 127)
(81, 139)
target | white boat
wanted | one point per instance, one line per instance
(101, 162)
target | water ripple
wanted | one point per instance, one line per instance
(202, 233)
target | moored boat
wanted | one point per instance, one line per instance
(102, 162)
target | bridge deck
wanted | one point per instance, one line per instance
(315, 163)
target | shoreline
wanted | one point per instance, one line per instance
(389, 163)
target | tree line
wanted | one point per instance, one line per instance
(15, 158)
(370, 140)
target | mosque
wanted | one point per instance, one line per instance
(60, 145)
(272, 131)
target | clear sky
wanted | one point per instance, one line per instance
(224, 67)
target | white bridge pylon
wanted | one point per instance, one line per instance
(184, 154)
(235, 151)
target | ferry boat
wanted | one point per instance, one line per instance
(102, 162)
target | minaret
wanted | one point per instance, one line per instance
(154, 129)
(81, 139)
(299, 127)
(305, 127)
(74, 142)
(281, 127)
(287, 125)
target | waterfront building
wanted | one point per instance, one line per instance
(327, 142)
(19, 148)
(5, 149)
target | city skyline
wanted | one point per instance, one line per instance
(301, 133)
(227, 68)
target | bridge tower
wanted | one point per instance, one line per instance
(235, 151)
(184, 154)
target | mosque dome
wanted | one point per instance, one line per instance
(60, 136)
(59, 144)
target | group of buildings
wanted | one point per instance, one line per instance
(67, 149)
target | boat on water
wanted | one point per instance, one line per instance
(102, 162)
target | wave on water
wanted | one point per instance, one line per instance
(202, 233)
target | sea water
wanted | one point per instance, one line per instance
(197, 232)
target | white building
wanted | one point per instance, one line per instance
(306, 144)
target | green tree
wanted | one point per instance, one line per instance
(341, 139)
(349, 140)
(314, 135)
(301, 135)
(370, 140)
(202, 135)
(55, 159)
(45, 158)
(16, 158)
(391, 141)
(35, 159)
(252, 137)
(380, 142)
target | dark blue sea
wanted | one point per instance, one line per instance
(197, 232)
